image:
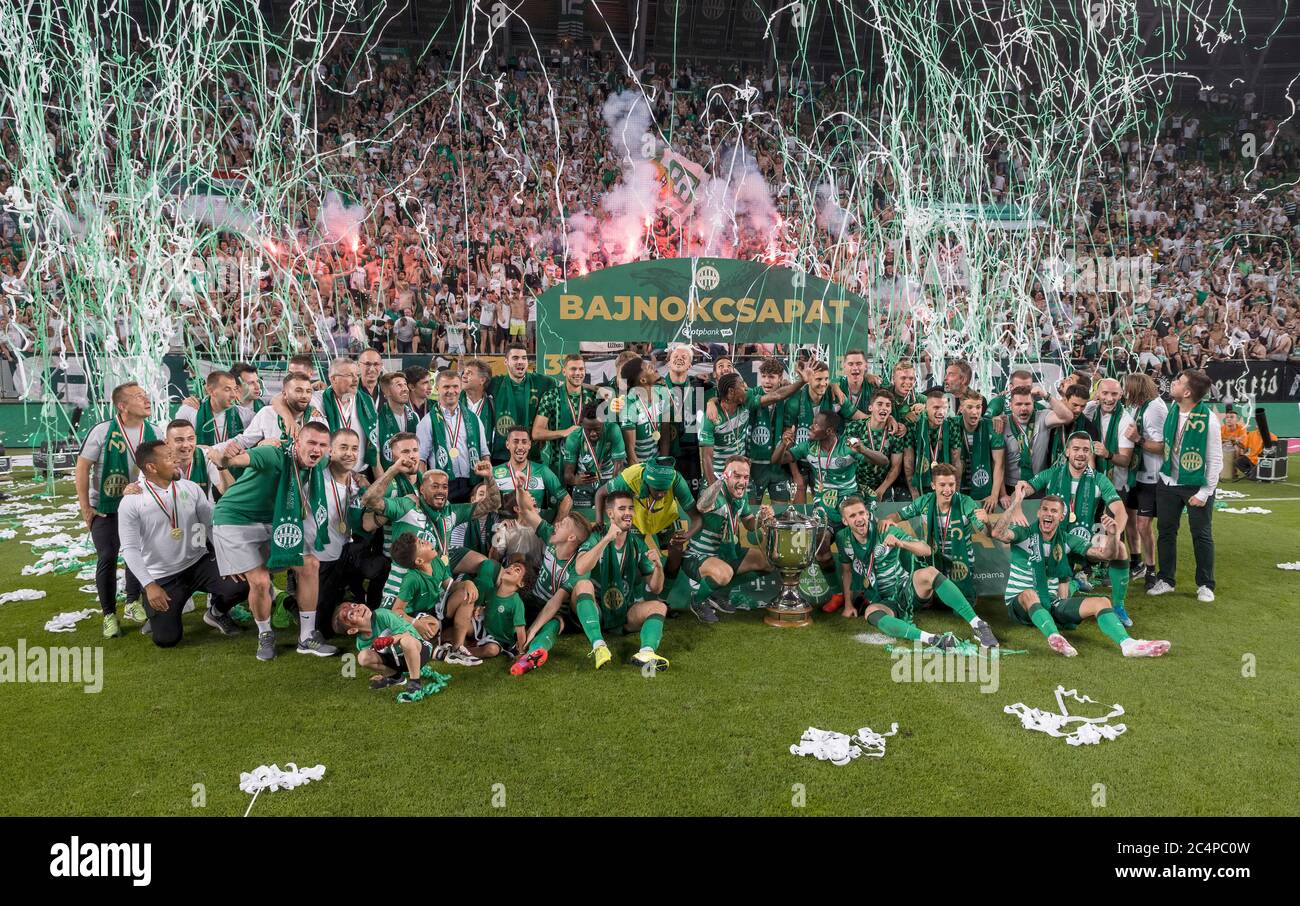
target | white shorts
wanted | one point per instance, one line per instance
(240, 548)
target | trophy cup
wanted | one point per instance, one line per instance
(791, 544)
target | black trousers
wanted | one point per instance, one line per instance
(335, 577)
(1171, 500)
(103, 534)
(371, 567)
(203, 575)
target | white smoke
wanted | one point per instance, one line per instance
(634, 199)
(733, 201)
(340, 222)
(830, 215)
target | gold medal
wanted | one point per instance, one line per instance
(454, 452)
(343, 527)
(1074, 517)
(446, 561)
(177, 534)
(933, 463)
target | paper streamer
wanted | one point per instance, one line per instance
(1090, 730)
(839, 749)
(1245, 510)
(22, 594)
(67, 622)
(273, 778)
(1294, 564)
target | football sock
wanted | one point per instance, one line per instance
(899, 629)
(1112, 627)
(703, 590)
(951, 595)
(306, 624)
(652, 632)
(589, 617)
(1134, 560)
(263, 625)
(546, 636)
(1040, 617)
(1118, 583)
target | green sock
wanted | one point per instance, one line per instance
(704, 589)
(546, 636)
(1041, 618)
(589, 617)
(1118, 583)
(652, 632)
(899, 629)
(951, 595)
(1111, 625)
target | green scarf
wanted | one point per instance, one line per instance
(288, 514)
(115, 473)
(1024, 437)
(468, 429)
(1111, 436)
(978, 465)
(206, 429)
(1185, 449)
(388, 426)
(1081, 504)
(924, 447)
(367, 421)
(199, 470)
(956, 562)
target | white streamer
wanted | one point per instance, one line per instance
(67, 622)
(839, 749)
(22, 594)
(1092, 730)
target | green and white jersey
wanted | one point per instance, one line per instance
(546, 489)
(435, 526)
(421, 591)
(501, 615)
(800, 410)
(834, 474)
(400, 487)
(872, 561)
(384, 623)
(766, 425)
(553, 574)
(610, 458)
(1036, 561)
(720, 527)
(251, 499)
(644, 418)
(729, 435)
(882, 440)
(1081, 512)
(620, 575)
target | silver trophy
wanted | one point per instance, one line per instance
(791, 544)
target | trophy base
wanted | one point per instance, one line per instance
(789, 617)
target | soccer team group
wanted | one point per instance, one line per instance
(462, 515)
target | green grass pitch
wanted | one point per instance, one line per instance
(709, 737)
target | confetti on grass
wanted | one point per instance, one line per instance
(21, 594)
(273, 778)
(1091, 730)
(839, 749)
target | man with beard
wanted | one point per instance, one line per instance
(395, 415)
(263, 523)
(726, 426)
(1039, 557)
(593, 455)
(1019, 425)
(931, 443)
(343, 514)
(620, 584)
(643, 414)
(1088, 497)
(399, 480)
(216, 419)
(714, 555)
(284, 418)
(559, 411)
(877, 434)
(516, 396)
(165, 533)
(519, 471)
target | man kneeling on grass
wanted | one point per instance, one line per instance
(386, 643)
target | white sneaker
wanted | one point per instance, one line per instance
(462, 657)
(1160, 588)
(1205, 593)
(1057, 643)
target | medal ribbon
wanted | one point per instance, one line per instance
(173, 518)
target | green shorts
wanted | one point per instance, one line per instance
(730, 554)
(903, 601)
(1064, 611)
(454, 558)
(774, 481)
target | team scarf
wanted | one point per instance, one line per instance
(553, 452)
(1024, 438)
(115, 471)
(1083, 501)
(206, 429)
(978, 474)
(1056, 443)
(290, 511)
(364, 408)
(954, 562)
(199, 470)
(1185, 447)
(388, 426)
(925, 450)
(443, 432)
(1111, 436)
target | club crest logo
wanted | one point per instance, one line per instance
(322, 514)
(504, 424)
(707, 277)
(1191, 461)
(114, 484)
(762, 435)
(442, 457)
(288, 535)
(613, 599)
(960, 571)
(981, 477)
(830, 498)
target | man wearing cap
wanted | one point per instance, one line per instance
(661, 499)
